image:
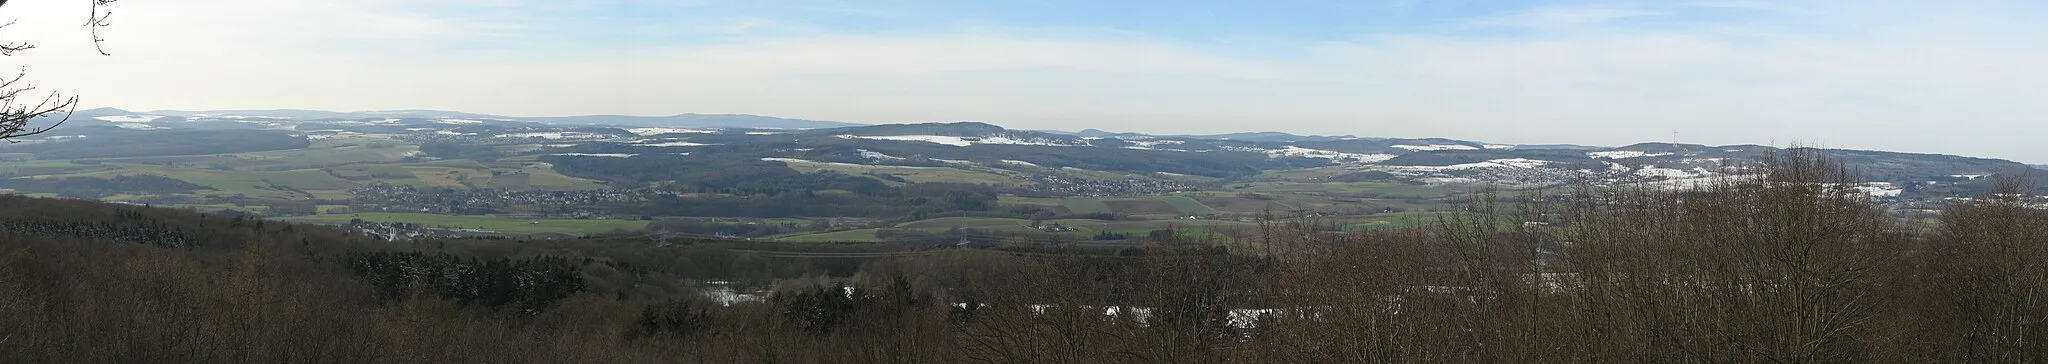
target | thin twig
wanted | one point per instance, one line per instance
(94, 20)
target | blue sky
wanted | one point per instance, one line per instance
(1950, 77)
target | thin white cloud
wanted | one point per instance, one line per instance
(1554, 17)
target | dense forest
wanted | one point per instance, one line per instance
(119, 143)
(94, 188)
(1785, 266)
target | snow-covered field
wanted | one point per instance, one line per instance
(953, 140)
(1880, 189)
(1490, 164)
(794, 160)
(128, 118)
(659, 131)
(1150, 144)
(1623, 154)
(1654, 172)
(613, 155)
(1505, 163)
(864, 153)
(1294, 151)
(1435, 147)
(668, 143)
(553, 135)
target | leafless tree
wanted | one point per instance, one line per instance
(17, 107)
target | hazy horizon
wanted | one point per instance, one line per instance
(1897, 76)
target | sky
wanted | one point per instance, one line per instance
(1962, 77)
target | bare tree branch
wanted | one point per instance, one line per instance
(17, 113)
(95, 20)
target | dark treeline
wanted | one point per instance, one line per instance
(94, 188)
(1789, 266)
(118, 143)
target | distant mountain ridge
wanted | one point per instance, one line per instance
(1256, 136)
(1431, 159)
(672, 121)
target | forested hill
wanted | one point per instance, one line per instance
(91, 282)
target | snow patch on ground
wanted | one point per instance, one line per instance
(1497, 163)
(794, 160)
(1018, 162)
(612, 155)
(136, 126)
(668, 143)
(1518, 162)
(659, 131)
(864, 153)
(1448, 180)
(953, 140)
(1149, 144)
(1497, 146)
(128, 118)
(1294, 151)
(451, 132)
(553, 135)
(1880, 189)
(1434, 147)
(935, 139)
(673, 144)
(1623, 154)
(460, 121)
(1654, 172)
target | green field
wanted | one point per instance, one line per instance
(495, 224)
(326, 171)
(964, 222)
(1192, 203)
(1083, 229)
(1389, 190)
(1086, 206)
(330, 167)
(836, 236)
(35, 168)
(1188, 205)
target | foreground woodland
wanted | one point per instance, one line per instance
(1788, 265)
